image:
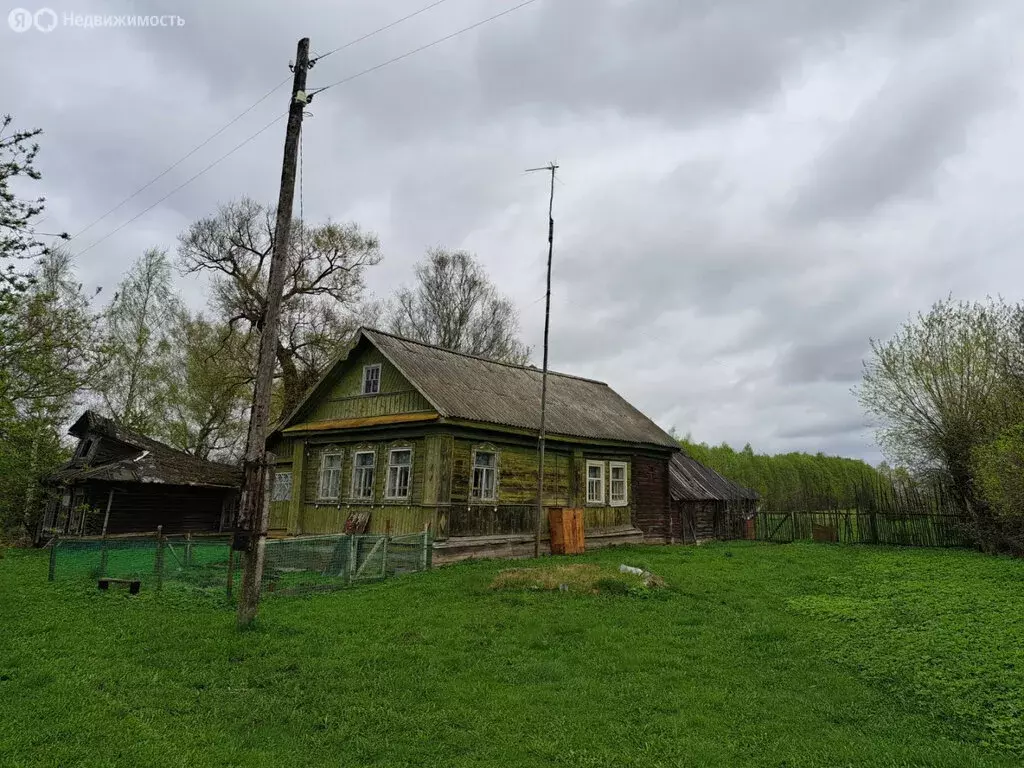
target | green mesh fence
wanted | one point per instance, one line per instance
(291, 566)
(314, 563)
(201, 562)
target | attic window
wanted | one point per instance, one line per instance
(86, 447)
(371, 379)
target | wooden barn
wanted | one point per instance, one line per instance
(704, 504)
(119, 481)
(400, 435)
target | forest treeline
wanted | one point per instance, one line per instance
(792, 481)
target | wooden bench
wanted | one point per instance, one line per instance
(134, 585)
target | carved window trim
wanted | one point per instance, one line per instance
(599, 499)
(356, 453)
(320, 477)
(392, 449)
(612, 466)
(495, 469)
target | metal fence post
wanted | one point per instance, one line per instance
(103, 556)
(158, 560)
(231, 565)
(53, 558)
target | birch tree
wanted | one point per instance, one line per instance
(210, 389)
(137, 354)
(455, 305)
(47, 343)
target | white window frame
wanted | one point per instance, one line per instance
(277, 485)
(612, 466)
(600, 465)
(355, 470)
(388, 487)
(366, 369)
(320, 495)
(493, 468)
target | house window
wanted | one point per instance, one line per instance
(485, 475)
(399, 471)
(86, 447)
(617, 494)
(362, 474)
(330, 476)
(371, 379)
(283, 486)
(595, 482)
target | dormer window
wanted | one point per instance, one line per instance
(86, 447)
(371, 379)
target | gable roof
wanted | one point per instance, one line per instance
(689, 480)
(150, 462)
(471, 388)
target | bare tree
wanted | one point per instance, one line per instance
(137, 350)
(456, 306)
(324, 289)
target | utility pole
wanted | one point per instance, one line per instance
(253, 507)
(544, 371)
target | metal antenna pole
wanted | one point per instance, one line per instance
(544, 371)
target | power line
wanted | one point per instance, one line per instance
(181, 186)
(386, 27)
(414, 51)
(264, 128)
(182, 159)
(238, 117)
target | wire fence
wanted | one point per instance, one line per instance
(209, 563)
(314, 563)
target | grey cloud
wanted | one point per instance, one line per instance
(896, 144)
(684, 274)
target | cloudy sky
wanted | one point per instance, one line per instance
(750, 190)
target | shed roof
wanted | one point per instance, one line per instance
(461, 386)
(689, 480)
(150, 462)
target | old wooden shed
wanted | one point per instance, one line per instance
(704, 504)
(119, 481)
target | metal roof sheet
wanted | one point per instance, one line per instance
(689, 480)
(466, 387)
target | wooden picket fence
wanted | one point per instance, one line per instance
(883, 514)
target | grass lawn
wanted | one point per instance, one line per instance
(760, 655)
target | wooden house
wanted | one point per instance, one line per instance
(119, 481)
(399, 435)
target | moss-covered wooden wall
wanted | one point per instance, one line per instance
(439, 493)
(345, 400)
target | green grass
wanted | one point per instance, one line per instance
(759, 655)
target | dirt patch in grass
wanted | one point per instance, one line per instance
(586, 578)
